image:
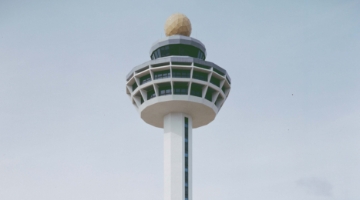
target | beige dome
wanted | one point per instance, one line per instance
(178, 24)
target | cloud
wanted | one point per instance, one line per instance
(316, 186)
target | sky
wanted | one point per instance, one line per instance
(290, 128)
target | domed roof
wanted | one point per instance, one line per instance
(178, 24)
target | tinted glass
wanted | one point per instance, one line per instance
(200, 76)
(178, 50)
(223, 89)
(145, 79)
(164, 91)
(134, 86)
(209, 94)
(181, 73)
(186, 127)
(196, 90)
(162, 74)
(181, 89)
(150, 94)
(215, 81)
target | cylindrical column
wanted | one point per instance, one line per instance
(177, 157)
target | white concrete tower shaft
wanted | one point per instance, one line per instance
(177, 156)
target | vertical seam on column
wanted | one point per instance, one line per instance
(186, 154)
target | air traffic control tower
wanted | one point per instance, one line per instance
(178, 90)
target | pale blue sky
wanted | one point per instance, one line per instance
(69, 132)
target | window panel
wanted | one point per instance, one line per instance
(134, 86)
(145, 79)
(200, 76)
(164, 90)
(181, 73)
(181, 89)
(179, 50)
(162, 74)
(209, 94)
(196, 90)
(215, 81)
(151, 94)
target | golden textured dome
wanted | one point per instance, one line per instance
(178, 24)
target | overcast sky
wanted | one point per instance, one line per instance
(290, 129)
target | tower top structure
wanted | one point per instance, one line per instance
(178, 79)
(177, 24)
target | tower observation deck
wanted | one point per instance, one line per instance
(178, 90)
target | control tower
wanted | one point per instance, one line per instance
(178, 90)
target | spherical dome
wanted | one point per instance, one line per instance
(178, 24)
